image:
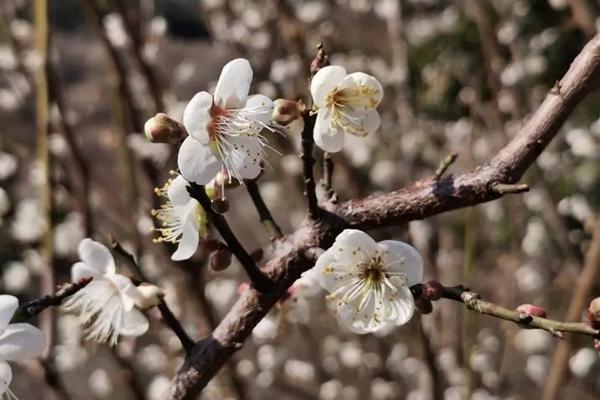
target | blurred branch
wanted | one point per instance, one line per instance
(327, 181)
(584, 16)
(473, 302)
(28, 310)
(137, 47)
(42, 43)
(257, 277)
(266, 218)
(292, 256)
(588, 278)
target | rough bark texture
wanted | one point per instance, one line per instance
(292, 255)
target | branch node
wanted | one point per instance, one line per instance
(444, 165)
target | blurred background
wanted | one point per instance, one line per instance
(459, 77)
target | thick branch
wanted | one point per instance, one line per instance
(430, 197)
(254, 273)
(421, 200)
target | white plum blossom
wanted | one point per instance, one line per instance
(369, 281)
(108, 303)
(18, 341)
(182, 219)
(346, 104)
(225, 128)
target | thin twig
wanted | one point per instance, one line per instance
(28, 310)
(308, 162)
(444, 165)
(503, 188)
(473, 301)
(266, 218)
(257, 277)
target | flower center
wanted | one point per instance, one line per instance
(348, 108)
(373, 272)
(171, 221)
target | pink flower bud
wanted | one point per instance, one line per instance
(243, 287)
(531, 309)
(432, 290)
(594, 310)
(287, 111)
(162, 129)
(220, 259)
(321, 60)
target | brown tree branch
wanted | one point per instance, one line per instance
(292, 256)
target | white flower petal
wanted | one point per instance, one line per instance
(81, 270)
(197, 118)
(243, 156)
(258, 108)
(402, 257)
(5, 377)
(96, 256)
(134, 323)
(126, 288)
(234, 84)
(21, 342)
(196, 162)
(353, 246)
(324, 81)
(189, 241)
(178, 194)
(329, 272)
(369, 87)
(371, 122)
(8, 306)
(403, 306)
(347, 316)
(328, 139)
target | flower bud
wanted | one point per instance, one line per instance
(432, 290)
(162, 129)
(220, 206)
(594, 310)
(286, 111)
(321, 60)
(424, 306)
(220, 259)
(211, 244)
(148, 296)
(531, 309)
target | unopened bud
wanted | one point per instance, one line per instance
(220, 259)
(220, 206)
(321, 60)
(432, 290)
(257, 254)
(594, 310)
(211, 244)
(423, 305)
(532, 309)
(162, 129)
(287, 111)
(148, 296)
